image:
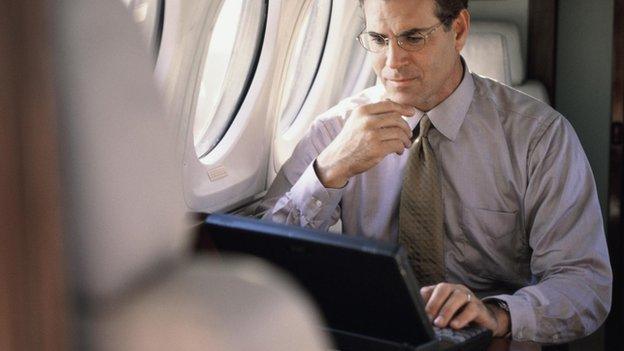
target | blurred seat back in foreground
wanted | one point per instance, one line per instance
(134, 284)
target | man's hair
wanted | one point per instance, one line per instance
(446, 10)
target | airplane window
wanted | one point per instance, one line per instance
(229, 65)
(148, 14)
(359, 74)
(304, 55)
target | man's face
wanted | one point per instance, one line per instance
(423, 78)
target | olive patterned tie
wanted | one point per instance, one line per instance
(421, 227)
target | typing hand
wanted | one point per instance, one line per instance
(370, 133)
(456, 306)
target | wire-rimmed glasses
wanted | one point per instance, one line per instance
(411, 40)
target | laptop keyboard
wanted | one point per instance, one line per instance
(469, 338)
(477, 336)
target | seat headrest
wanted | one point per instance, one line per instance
(493, 49)
(225, 303)
(122, 197)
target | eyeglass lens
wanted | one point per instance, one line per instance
(377, 43)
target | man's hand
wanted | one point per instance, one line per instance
(369, 134)
(456, 306)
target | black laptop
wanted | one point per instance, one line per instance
(365, 289)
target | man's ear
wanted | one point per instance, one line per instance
(461, 28)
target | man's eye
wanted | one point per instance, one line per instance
(413, 39)
(376, 39)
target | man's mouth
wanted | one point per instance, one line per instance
(399, 82)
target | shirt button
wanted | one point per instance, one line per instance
(318, 203)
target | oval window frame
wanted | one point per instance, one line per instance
(208, 141)
(285, 103)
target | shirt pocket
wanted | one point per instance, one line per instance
(493, 243)
(479, 222)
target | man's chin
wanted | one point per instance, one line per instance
(401, 97)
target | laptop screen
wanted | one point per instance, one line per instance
(361, 286)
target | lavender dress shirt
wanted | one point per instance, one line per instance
(522, 218)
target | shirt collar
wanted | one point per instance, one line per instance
(449, 115)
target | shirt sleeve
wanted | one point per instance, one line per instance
(297, 196)
(571, 296)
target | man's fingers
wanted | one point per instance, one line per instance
(450, 305)
(388, 106)
(395, 133)
(456, 300)
(393, 145)
(393, 120)
(426, 292)
(467, 315)
(440, 294)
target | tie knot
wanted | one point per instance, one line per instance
(425, 124)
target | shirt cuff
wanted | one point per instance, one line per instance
(521, 316)
(315, 202)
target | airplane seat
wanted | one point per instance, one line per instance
(133, 282)
(493, 50)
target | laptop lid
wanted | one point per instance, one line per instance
(361, 286)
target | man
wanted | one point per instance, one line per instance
(496, 181)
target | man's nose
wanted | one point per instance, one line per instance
(396, 56)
